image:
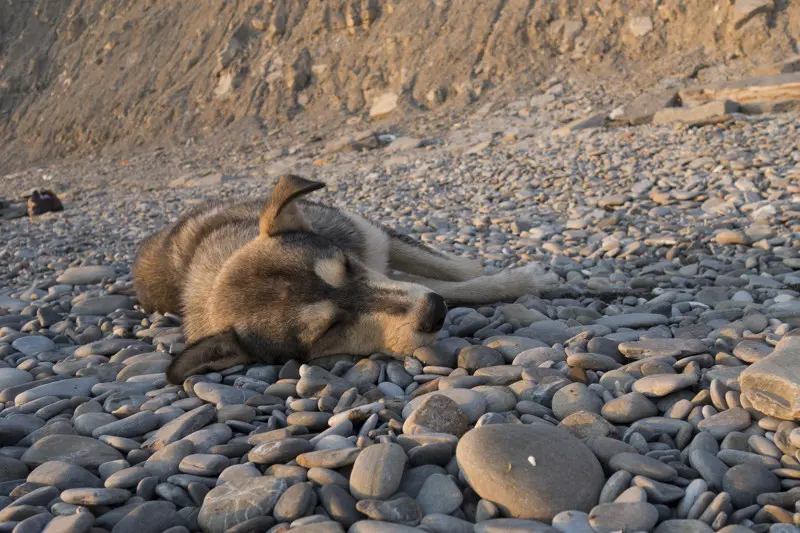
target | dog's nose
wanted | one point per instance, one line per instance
(433, 313)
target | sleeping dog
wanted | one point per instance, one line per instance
(286, 278)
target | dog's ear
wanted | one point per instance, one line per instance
(281, 214)
(207, 355)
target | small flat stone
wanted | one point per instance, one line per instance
(437, 414)
(633, 320)
(660, 385)
(378, 471)
(746, 482)
(613, 517)
(33, 344)
(439, 495)
(95, 496)
(721, 424)
(641, 465)
(239, 500)
(86, 275)
(63, 476)
(81, 451)
(404, 510)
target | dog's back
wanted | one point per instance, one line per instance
(163, 260)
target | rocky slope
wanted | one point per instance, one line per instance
(81, 77)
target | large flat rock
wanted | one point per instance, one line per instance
(772, 385)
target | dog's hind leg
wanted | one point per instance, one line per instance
(504, 286)
(412, 257)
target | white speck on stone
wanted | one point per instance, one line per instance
(532, 460)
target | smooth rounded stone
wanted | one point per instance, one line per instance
(498, 375)
(203, 464)
(95, 496)
(660, 385)
(572, 522)
(102, 305)
(375, 526)
(628, 408)
(690, 496)
(592, 361)
(81, 451)
(331, 459)
(65, 388)
(764, 446)
(12, 468)
(220, 394)
(751, 351)
(339, 504)
(683, 526)
(322, 526)
(604, 448)
(86, 275)
(615, 485)
(280, 451)
(295, 503)
(536, 356)
(512, 525)
(33, 344)
(440, 523)
(325, 476)
(736, 457)
(404, 510)
(333, 442)
(414, 478)
(771, 384)
(437, 414)
(80, 522)
(239, 471)
(85, 424)
(391, 390)
(658, 492)
(499, 399)
(584, 424)
(439, 494)
(633, 321)
(63, 476)
(472, 403)
(239, 500)
(613, 517)
(378, 471)
(512, 345)
(574, 398)
(127, 478)
(133, 426)
(181, 427)
(111, 467)
(314, 421)
(33, 524)
(37, 497)
(721, 424)
(746, 482)
(641, 465)
(443, 353)
(472, 358)
(526, 470)
(149, 517)
(165, 462)
(11, 377)
(711, 469)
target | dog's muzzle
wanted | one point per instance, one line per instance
(433, 313)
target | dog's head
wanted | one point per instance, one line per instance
(293, 293)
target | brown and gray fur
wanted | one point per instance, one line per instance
(281, 278)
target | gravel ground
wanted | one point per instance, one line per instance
(653, 391)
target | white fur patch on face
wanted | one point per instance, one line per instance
(331, 271)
